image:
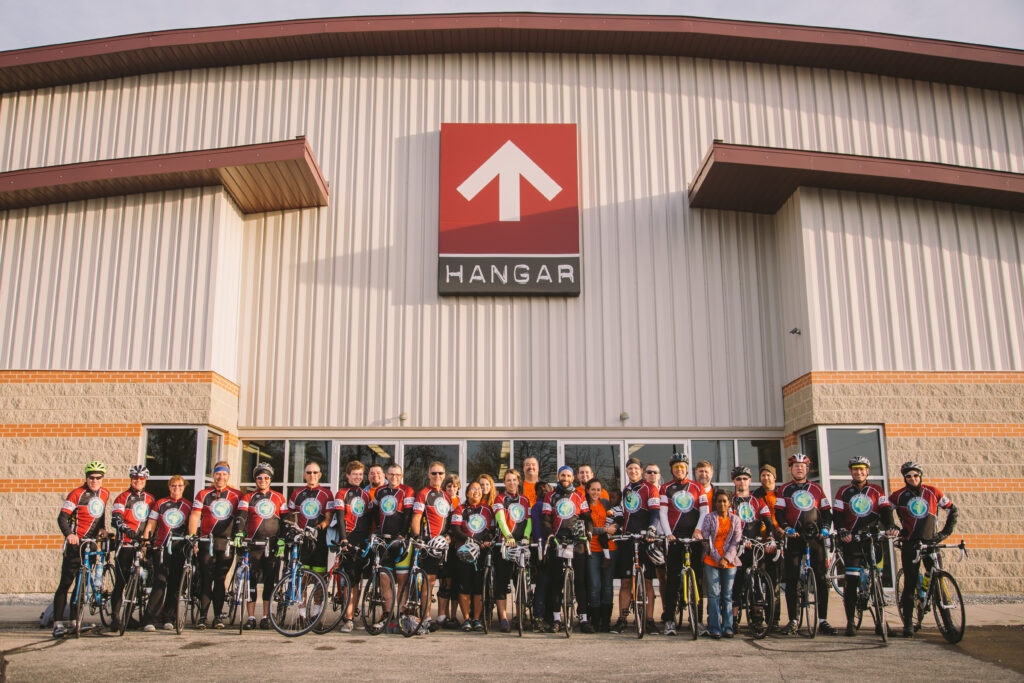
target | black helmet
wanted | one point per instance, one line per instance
(262, 468)
(911, 466)
(740, 471)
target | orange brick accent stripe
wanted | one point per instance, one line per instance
(888, 377)
(975, 485)
(120, 377)
(790, 440)
(69, 430)
(230, 439)
(31, 542)
(954, 429)
(62, 486)
(988, 541)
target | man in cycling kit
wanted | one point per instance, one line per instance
(431, 517)
(680, 514)
(128, 516)
(512, 514)
(392, 513)
(259, 518)
(566, 516)
(639, 512)
(213, 511)
(767, 492)
(758, 524)
(917, 505)
(313, 506)
(352, 508)
(803, 509)
(166, 529)
(82, 515)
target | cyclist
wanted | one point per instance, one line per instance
(723, 540)
(566, 515)
(213, 510)
(490, 491)
(757, 523)
(128, 516)
(392, 512)
(167, 519)
(767, 492)
(541, 590)
(804, 511)
(512, 515)
(601, 562)
(82, 515)
(917, 505)
(584, 473)
(259, 518)
(472, 529)
(859, 506)
(352, 508)
(639, 512)
(313, 506)
(431, 518)
(679, 514)
(375, 478)
(448, 588)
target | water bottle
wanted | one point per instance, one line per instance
(925, 581)
(863, 576)
(921, 588)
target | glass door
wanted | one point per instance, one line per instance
(604, 457)
(417, 456)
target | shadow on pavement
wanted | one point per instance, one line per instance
(1002, 645)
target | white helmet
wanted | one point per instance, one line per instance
(469, 552)
(437, 546)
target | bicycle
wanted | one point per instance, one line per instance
(376, 613)
(339, 593)
(412, 604)
(187, 597)
(870, 594)
(688, 601)
(240, 581)
(759, 595)
(835, 568)
(807, 587)
(638, 596)
(565, 551)
(136, 593)
(95, 583)
(522, 590)
(487, 599)
(936, 590)
(297, 601)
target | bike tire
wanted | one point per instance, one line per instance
(106, 594)
(520, 596)
(692, 600)
(195, 602)
(837, 574)
(918, 614)
(128, 601)
(878, 607)
(640, 602)
(80, 599)
(412, 611)
(487, 601)
(947, 606)
(373, 609)
(809, 603)
(339, 593)
(758, 597)
(184, 591)
(229, 597)
(568, 601)
(242, 597)
(292, 600)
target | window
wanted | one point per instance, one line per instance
(604, 459)
(270, 452)
(720, 453)
(417, 458)
(546, 453)
(213, 444)
(659, 454)
(753, 454)
(299, 454)
(171, 451)
(809, 447)
(488, 457)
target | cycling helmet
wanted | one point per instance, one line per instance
(95, 466)
(911, 466)
(139, 471)
(469, 552)
(655, 554)
(437, 546)
(858, 461)
(678, 458)
(579, 529)
(741, 471)
(799, 457)
(262, 468)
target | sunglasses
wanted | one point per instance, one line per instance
(312, 472)
(652, 472)
(437, 474)
(94, 477)
(262, 476)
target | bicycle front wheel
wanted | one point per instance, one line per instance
(759, 608)
(79, 603)
(412, 611)
(128, 601)
(836, 574)
(184, 598)
(878, 607)
(379, 591)
(809, 604)
(339, 593)
(296, 603)
(691, 597)
(520, 596)
(568, 601)
(241, 597)
(106, 595)
(640, 603)
(488, 600)
(948, 606)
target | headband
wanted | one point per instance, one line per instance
(563, 468)
(222, 468)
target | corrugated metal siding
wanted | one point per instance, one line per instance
(902, 284)
(789, 241)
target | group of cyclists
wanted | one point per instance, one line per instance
(574, 522)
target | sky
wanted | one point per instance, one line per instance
(44, 22)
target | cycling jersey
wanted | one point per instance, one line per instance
(311, 504)
(217, 508)
(753, 512)
(641, 503)
(170, 517)
(83, 512)
(353, 505)
(767, 496)
(857, 509)
(801, 504)
(436, 507)
(564, 507)
(681, 506)
(131, 510)
(393, 509)
(259, 514)
(473, 522)
(513, 513)
(918, 511)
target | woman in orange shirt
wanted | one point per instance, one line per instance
(601, 563)
(723, 540)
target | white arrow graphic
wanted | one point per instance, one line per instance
(508, 163)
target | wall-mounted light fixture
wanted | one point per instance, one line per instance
(623, 416)
(795, 330)
(403, 416)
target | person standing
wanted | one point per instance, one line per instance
(638, 513)
(213, 510)
(259, 518)
(680, 514)
(431, 519)
(129, 515)
(352, 507)
(723, 538)
(512, 516)
(313, 506)
(758, 523)
(167, 524)
(601, 562)
(531, 477)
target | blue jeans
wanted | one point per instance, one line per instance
(718, 584)
(600, 581)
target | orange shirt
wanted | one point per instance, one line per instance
(529, 490)
(724, 526)
(599, 515)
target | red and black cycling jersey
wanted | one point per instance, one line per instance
(860, 508)
(392, 509)
(753, 512)
(802, 504)
(311, 505)
(131, 510)
(352, 504)
(259, 514)
(217, 510)
(682, 501)
(436, 507)
(83, 512)
(171, 517)
(639, 508)
(564, 507)
(515, 510)
(474, 522)
(918, 511)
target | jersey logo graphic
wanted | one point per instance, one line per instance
(631, 501)
(861, 505)
(565, 509)
(683, 501)
(517, 512)
(140, 510)
(95, 507)
(311, 508)
(476, 523)
(358, 507)
(918, 508)
(221, 509)
(442, 507)
(745, 512)
(803, 501)
(388, 505)
(265, 508)
(174, 518)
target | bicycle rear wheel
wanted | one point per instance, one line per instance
(241, 597)
(488, 600)
(809, 603)
(229, 598)
(568, 601)
(947, 606)
(339, 593)
(128, 601)
(836, 574)
(374, 610)
(759, 608)
(184, 598)
(292, 601)
(878, 607)
(918, 614)
(412, 611)
(692, 600)
(79, 603)
(106, 593)
(640, 603)
(521, 597)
